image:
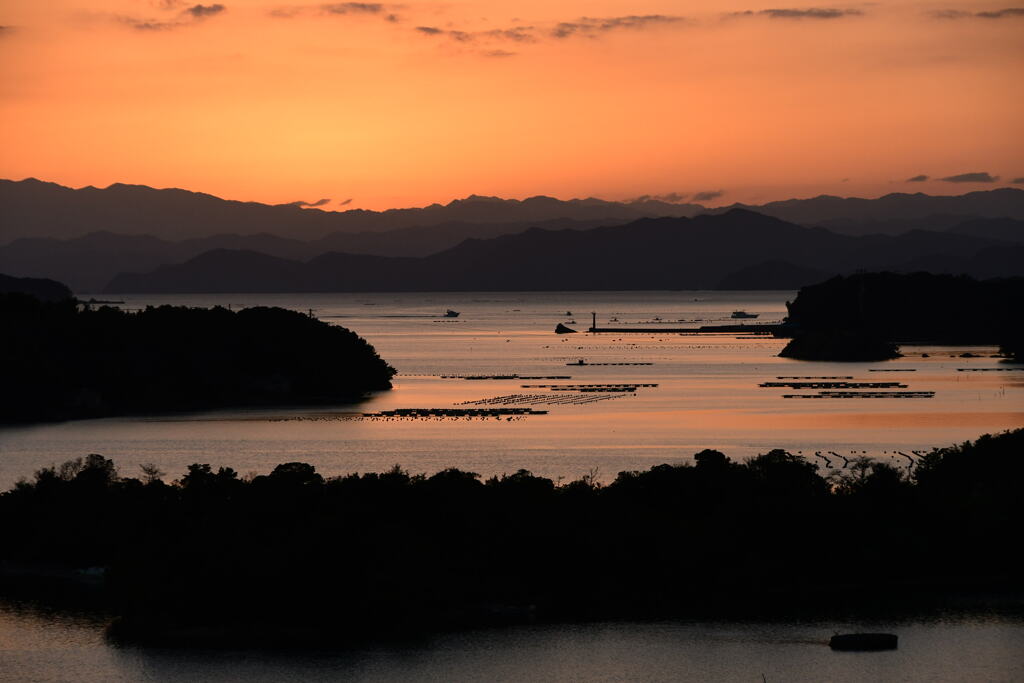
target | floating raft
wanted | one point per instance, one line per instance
(990, 369)
(455, 412)
(584, 387)
(552, 399)
(579, 363)
(815, 377)
(865, 394)
(835, 385)
(506, 376)
(762, 329)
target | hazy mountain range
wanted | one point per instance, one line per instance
(87, 237)
(704, 252)
(33, 208)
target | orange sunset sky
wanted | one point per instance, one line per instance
(410, 103)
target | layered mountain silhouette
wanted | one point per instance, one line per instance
(33, 208)
(893, 213)
(89, 262)
(704, 252)
(86, 237)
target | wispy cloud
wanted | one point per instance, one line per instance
(1007, 13)
(303, 205)
(386, 12)
(669, 197)
(353, 8)
(800, 13)
(516, 34)
(591, 27)
(187, 17)
(203, 11)
(1018, 181)
(707, 196)
(345, 202)
(917, 179)
(584, 26)
(977, 177)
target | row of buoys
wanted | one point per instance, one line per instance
(911, 461)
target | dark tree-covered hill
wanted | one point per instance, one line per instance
(41, 288)
(859, 317)
(62, 360)
(292, 557)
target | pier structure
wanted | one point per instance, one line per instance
(766, 329)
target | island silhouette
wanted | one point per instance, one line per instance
(67, 359)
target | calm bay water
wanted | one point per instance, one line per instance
(707, 394)
(985, 645)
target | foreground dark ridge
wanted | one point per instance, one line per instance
(216, 558)
(64, 360)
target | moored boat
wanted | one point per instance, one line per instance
(863, 641)
(744, 314)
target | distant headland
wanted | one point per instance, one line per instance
(863, 317)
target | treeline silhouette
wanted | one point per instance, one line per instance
(66, 360)
(864, 316)
(293, 557)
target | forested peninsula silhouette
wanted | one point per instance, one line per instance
(863, 317)
(293, 558)
(65, 359)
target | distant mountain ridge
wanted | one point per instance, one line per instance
(88, 263)
(33, 208)
(893, 213)
(649, 254)
(132, 228)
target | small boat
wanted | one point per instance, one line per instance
(568, 314)
(451, 314)
(744, 314)
(863, 641)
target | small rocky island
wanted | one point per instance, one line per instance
(64, 359)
